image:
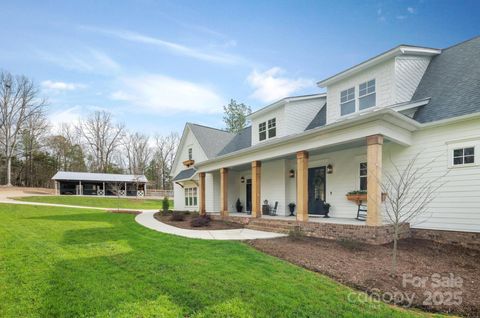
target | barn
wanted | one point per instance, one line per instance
(99, 184)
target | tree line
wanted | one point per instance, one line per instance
(32, 150)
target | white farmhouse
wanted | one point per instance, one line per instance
(312, 150)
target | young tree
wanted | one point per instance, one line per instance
(102, 138)
(19, 102)
(409, 191)
(235, 116)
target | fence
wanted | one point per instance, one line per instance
(157, 193)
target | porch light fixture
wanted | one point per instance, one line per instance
(291, 173)
(242, 179)
(329, 169)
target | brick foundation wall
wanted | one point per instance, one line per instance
(465, 239)
(376, 235)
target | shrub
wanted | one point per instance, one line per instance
(350, 244)
(165, 204)
(177, 216)
(201, 221)
(296, 233)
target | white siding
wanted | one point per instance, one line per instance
(197, 152)
(384, 77)
(409, 71)
(273, 184)
(179, 197)
(298, 114)
(279, 114)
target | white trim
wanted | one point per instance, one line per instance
(454, 145)
(283, 102)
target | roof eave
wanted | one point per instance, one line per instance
(283, 102)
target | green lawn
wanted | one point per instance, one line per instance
(65, 262)
(102, 202)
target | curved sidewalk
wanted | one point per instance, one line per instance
(146, 219)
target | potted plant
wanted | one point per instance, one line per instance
(326, 208)
(292, 206)
(361, 195)
(239, 206)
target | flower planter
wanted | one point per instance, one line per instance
(189, 163)
(362, 197)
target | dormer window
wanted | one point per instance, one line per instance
(366, 95)
(347, 101)
(267, 129)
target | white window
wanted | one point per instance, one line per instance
(366, 95)
(463, 156)
(272, 128)
(363, 176)
(190, 197)
(269, 127)
(190, 154)
(347, 101)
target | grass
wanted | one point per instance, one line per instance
(101, 202)
(66, 262)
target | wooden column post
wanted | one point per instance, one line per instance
(224, 192)
(302, 186)
(374, 179)
(201, 177)
(256, 187)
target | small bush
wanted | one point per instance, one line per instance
(177, 216)
(296, 233)
(350, 244)
(201, 221)
(165, 204)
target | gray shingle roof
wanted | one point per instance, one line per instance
(320, 118)
(452, 80)
(211, 140)
(100, 177)
(184, 174)
(241, 140)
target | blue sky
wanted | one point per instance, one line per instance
(156, 65)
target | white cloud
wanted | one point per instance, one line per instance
(61, 86)
(176, 48)
(159, 94)
(411, 10)
(401, 17)
(67, 116)
(88, 61)
(269, 85)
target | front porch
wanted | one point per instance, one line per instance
(315, 181)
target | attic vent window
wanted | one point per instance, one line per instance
(190, 154)
(367, 95)
(347, 101)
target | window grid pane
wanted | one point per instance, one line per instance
(464, 156)
(347, 108)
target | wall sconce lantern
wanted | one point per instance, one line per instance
(329, 169)
(291, 173)
(242, 179)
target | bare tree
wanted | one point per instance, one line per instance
(102, 137)
(19, 101)
(138, 151)
(164, 155)
(409, 191)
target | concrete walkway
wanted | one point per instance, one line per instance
(146, 219)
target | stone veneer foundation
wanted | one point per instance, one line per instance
(466, 239)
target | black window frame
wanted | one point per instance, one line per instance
(463, 156)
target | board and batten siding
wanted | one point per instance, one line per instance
(409, 71)
(384, 75)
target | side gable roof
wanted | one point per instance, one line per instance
(243, 139)
(211, 140)
(452, 81)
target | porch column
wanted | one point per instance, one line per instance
(201, 177)
(374, 179)
(256, 185)
(302, 186)
(56, 187)
(224, 192)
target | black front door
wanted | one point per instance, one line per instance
(316, 190)
(249, 195)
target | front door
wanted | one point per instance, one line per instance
(316, 190)
(249, 196)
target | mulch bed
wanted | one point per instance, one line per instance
(185, 224)
(368, 268)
